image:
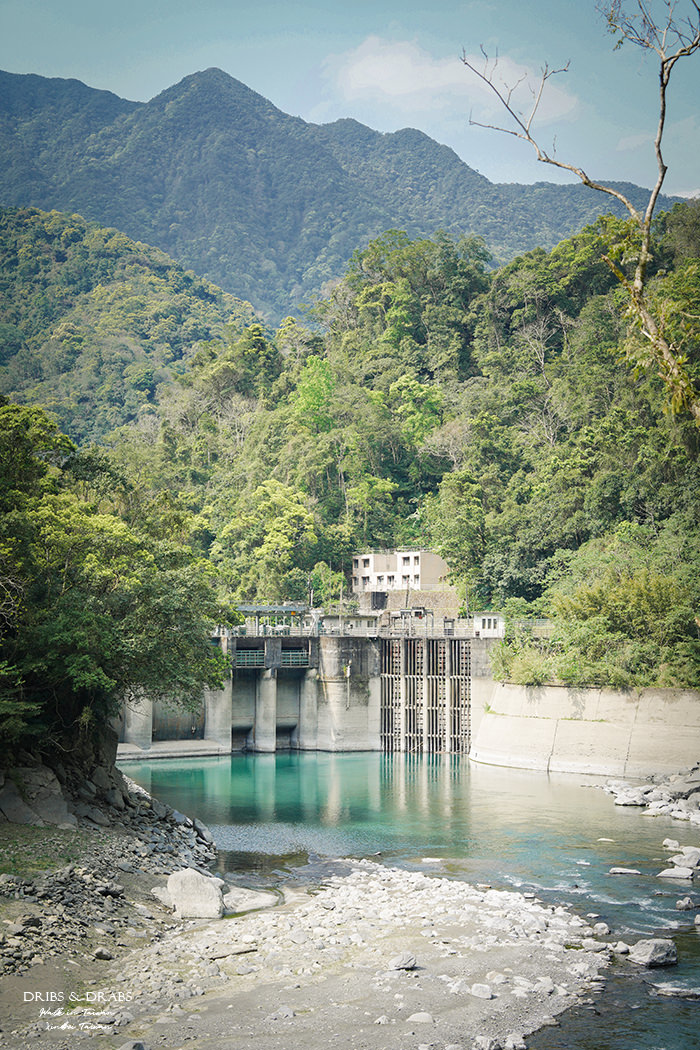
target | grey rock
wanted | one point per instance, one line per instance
(114, 798)
(13, 806)
(658, 951)
(675, 873)
(631, 798)
(239, 900)
(486, 1042)
(684, 904)
(101, 779)
(403, 961)
(103, 953)
(203, 831)
(481, 991)
(195, 896)
(421, 1017)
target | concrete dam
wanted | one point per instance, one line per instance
(329, 692)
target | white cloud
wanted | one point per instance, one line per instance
(633, 142)
(403, 77)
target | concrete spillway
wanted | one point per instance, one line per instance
(330, 693)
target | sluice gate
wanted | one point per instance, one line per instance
(425, 695)
(412, 694)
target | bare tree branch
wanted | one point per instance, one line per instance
(671, 41)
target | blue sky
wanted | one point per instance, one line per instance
(389, 64)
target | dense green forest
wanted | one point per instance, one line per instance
(262, 203)
(510, 420)
(91, 322)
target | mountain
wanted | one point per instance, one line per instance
(264, 204)
(91, 322)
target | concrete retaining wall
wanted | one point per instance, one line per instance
(599, 731)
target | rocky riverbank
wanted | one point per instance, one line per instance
(676, 795)
(375, 958)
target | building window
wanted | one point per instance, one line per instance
(365, 581)
(355, 562)
(380, 580)
(406, 560)
(365, 563)
(405, 579)
(390, 580)
(355, 581)
(416, 578)
(416, 559)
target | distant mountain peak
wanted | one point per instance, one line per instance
(264, 204)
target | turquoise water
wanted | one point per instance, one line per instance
(290, 816)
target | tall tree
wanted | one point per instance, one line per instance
(671, 38)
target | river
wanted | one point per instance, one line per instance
(290, 816)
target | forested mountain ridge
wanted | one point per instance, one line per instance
(508, 419)
(91, 322)
(266, 205)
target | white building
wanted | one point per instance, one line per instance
(398, 570)
(489, 625)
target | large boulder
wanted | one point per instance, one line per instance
(658, 951)
(33, 795)
(196, 896)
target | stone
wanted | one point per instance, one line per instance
(13, 806)
(162, 894)
(114, 798)
(481, 991)
(671, 844)
(195, 896)
(684, 904)
(203, 831)
(676, 873)
(624, 871)
(631, 798)
(103, 953)
(658, 951)
(601, 929)
(515, 1041)
(82, 809)
(689, 857)
(486, 1042)
(239, 900)
(403, 961)
(421, 1017)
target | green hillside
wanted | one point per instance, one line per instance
(262, 203)
(510, 419)
(91, 323)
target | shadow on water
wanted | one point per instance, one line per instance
(290, 817)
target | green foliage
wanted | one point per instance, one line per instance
(93, 610)
(494, 418)
(259, 549)
(266, 206)
(93, 323)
